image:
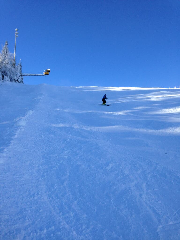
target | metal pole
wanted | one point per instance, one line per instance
(29, 74)
(16, 35)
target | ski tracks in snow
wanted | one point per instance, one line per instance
(70, 175)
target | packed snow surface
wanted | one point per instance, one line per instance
(71, 168)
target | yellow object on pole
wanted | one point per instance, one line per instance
(47, 71)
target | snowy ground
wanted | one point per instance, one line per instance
(71, 168)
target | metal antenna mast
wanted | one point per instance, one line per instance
(16, 35)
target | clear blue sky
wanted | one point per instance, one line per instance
(96, 42)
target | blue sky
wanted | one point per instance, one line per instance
(96, 42)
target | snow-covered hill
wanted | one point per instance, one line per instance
(71, 168)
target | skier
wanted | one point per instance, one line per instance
(104, 99)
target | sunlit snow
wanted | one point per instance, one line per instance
(71, 168)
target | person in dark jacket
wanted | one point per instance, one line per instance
(104, 99)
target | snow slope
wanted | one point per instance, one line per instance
(71, 168)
